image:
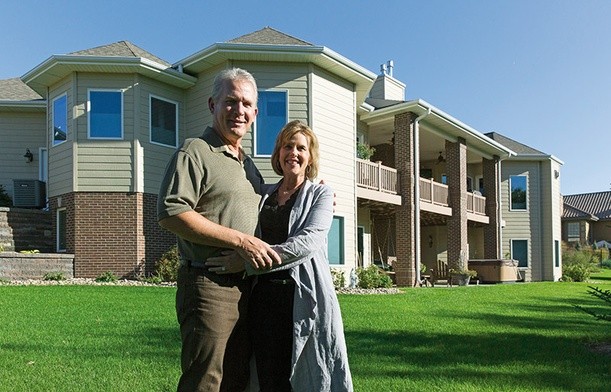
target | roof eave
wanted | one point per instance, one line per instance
(23, 106)
(453, 126)
(319, 55)
(59, 66)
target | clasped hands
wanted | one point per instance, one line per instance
(252, 251)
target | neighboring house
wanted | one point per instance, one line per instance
(586, 218)
(103, 122)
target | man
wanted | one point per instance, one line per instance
(209, 198)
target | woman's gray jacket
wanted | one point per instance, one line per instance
(320, 360)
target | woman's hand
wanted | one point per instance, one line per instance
(229, 263)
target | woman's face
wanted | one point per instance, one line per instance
(294, 155)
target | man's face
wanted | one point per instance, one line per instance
(235, 110)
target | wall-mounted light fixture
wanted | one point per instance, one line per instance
(556, 174)
(29, 157)
(430, 241)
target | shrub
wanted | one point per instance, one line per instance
(606, 263)
(339, 279)
(107, 277)
(166, 267)
(56, 276)
(5, 199)
(577, 265)
(372, 277)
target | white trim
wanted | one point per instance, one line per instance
(57, 228)
(151, 96)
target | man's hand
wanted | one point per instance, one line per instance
(258, 253)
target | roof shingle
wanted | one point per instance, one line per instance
(15, 90)
(269, 36)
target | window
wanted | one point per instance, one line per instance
(573, 229)
(60, 119)
(105, 114)
(335, 244)
(557, 253)
(469, 184)
(444, 179)
(272, 117)
(517, 197)
(480, 186)
(519, 252)
(61, 229)
(163, 120)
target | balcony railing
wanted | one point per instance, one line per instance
(375, 176)
(433, 192)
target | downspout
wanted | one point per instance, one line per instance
(499, 209)
(416, 182)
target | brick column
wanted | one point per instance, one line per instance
(405, 217)
(456, 168)
(492, 230)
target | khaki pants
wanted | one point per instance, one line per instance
(211, 310)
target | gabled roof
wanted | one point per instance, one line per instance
(269, 36)
(271, 45)
(517, 147)
(120, 49)
(597, 204)
(118, 57)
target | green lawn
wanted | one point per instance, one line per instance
(512, 337)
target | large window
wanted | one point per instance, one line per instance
(272, 117)
(61, 229)
(519, 252)
(336, 241)
(518, 188)
(60, 119)
(573, 229)
(163, 120)
(105, 114)
(557, 253)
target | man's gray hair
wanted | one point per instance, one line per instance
(231, 74)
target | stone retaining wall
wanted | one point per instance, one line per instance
(20, 266)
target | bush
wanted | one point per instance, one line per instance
(372, 277)
(166, 267)
(57, 276)
(577, 265)
(5, 199)
(107, 276)
(606, 263)
(339, 279)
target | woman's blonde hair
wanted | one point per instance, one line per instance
(287, 132)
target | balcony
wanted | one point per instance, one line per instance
(377, 184)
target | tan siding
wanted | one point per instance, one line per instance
(334, 121)
(156, 156)
(61, 166)
(20, 130)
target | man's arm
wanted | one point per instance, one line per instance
(197, 229)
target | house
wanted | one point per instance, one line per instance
(586, 218)
(531, 207)
(102, 123)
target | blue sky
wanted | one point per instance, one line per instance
(537, 71)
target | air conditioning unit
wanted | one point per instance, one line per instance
(29, 193)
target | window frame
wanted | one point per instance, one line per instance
(89, 108)
(570, 227)
(259, 118)
(54, 142)
(511, 202)
(341, 244)
(522, 240)
(176, 106)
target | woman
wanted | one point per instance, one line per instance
(297, 330)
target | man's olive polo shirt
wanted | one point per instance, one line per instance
(205, 177)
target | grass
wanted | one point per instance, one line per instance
(514, 337)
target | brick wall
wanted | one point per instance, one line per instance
(110, 231)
